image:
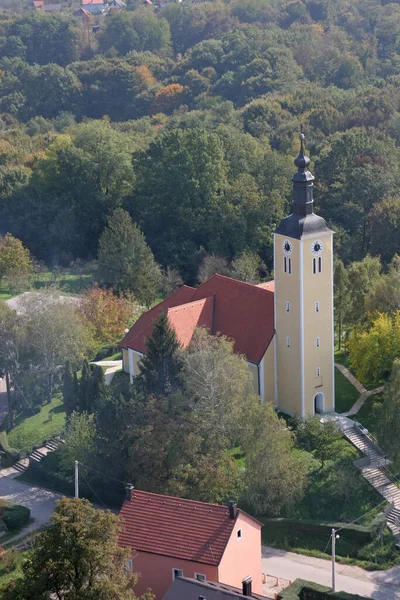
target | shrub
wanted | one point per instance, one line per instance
(3, 441)
(10, 457)
(16, 516)
(307, 590)
(9, 560)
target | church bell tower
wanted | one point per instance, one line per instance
(303, 270)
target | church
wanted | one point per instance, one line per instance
(284, 328)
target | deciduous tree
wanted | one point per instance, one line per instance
(373, 350)
(15, 260)
(388, 417)
(78, 558)
(107, 313)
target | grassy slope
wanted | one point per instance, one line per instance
(6, 577)
(343, 359)
(32, 430)
(367, 414)
(345, 393)
(69, 283)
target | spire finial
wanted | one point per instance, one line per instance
(302, 161)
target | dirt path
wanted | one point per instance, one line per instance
(364, 394)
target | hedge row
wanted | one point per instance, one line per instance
(307, 533)
(307, 590)
(15, 516)
(112, 497)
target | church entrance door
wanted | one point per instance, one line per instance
(319, 403)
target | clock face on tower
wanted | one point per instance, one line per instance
(287, 247)
(317, 247)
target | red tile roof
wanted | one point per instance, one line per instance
(95, 2)
(175, 527)
(267, 285)
(143, 328)
(241, 311)
(186, 317)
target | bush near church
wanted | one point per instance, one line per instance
(307, 590)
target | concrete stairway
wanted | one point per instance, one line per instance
(374, 470)
(363, 444)
(36, 455)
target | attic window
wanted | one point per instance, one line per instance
(176, 573)
(239, 534)
(199, 576)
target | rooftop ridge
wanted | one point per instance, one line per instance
(179, 306)
(237, 281)
(186, 500)
(125, 339)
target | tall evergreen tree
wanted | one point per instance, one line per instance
(126, 263)
(341, 298)
(96, 389)
(162, 364)
(84, 384)
(70, 388)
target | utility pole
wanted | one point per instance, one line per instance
(334, 537)
(76, 480)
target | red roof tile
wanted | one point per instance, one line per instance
(186, 317)
(241, 311)
(267, 285)
(186, 529)
(143, 328)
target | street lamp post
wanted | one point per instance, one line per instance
(334, 537)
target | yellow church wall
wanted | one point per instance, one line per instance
(268, 372)
(318, 288)
(254, 374)
(288, 359)
(125, 360)
(136, 360)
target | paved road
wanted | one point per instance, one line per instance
(379, 585)
(41, 502)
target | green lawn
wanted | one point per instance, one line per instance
(345, 393)
(368, 412)
(32, 430)
(343, 359)
(68, 282)
(5, 574)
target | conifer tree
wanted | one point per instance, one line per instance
(126, 263)
(84, 384)
(70, 389)
(96, 389)
(162, 364)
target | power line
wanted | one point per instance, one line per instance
(358, 519)
(99, 499)
(103, 474)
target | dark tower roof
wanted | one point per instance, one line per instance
(302, 221)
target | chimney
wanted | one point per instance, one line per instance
(232, 509)
(246, 586)
(129, 491)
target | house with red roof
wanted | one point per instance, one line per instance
(173, 537)
(241, 311)
(94, 6)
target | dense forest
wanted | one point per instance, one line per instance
(188, 116)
